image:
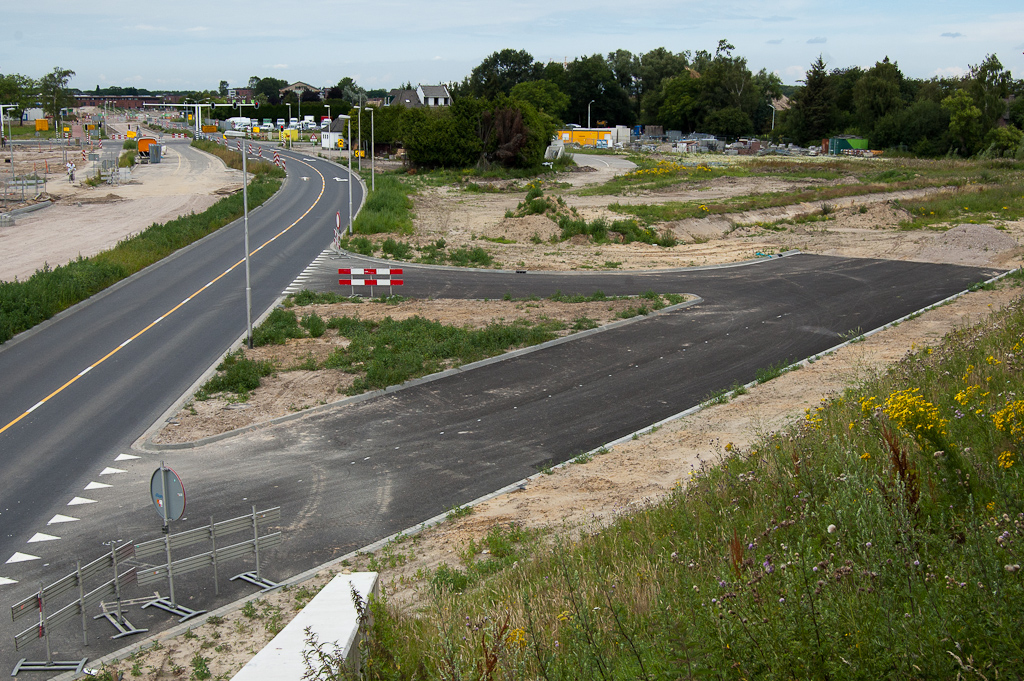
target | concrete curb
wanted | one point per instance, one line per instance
(668, 270)
(144, 443)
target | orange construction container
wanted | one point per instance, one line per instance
(144, 143)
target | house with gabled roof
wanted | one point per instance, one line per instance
(434, 95)
(406, 98)
(298, 87)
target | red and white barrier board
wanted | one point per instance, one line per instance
(380, 277)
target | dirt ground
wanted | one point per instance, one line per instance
(473, 220)
(631, 475)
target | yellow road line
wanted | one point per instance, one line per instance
(323, 188)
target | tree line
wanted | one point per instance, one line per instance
(510, 100)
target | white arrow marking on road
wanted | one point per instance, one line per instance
(305, 179)
(39, 536)
(311, 160)
(81, 500)
(61, 519)
(111, 471)
(96, 485)
(4, 581)
(126, 457)
(19, 557)
(339, 179)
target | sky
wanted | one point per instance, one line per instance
(191, 45)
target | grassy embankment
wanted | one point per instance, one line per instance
(877, 538)
(23, 304)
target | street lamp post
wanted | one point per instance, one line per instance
(245, 222)
(360, 107)
(588, 111)
(373, 176)
(289, 105)
(348, 119)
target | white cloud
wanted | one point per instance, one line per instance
(777, 41)
(279, 66)
(952, 35)
(794, 73)
(949, 72)
(196, 29)
(817, 41)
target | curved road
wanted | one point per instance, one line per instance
(88, 382)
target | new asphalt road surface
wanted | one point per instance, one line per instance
(349, 475)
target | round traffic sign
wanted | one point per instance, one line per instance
(168, 493)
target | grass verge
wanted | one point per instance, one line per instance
(878, 537)
(233, 159)
(387, 209)
(23, 304)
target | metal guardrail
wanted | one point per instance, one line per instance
(42, 602)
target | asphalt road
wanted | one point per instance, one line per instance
(79, 389)
(349, 476)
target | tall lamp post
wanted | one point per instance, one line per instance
(373, 176)
(348, 119)
(588, 111)
(360, 133)
(289, 105)
(245, 222)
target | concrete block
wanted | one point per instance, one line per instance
(332, 617)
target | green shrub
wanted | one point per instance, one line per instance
(465, 257)
(277, 328)
(399, 250)
(238, 375)
(314, 324)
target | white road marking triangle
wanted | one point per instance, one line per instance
(111, 471)
(4, 581)
(21, 558)
(61, 519)
(39, 536)
(81, 500)
(97, 485)
(126, 457)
